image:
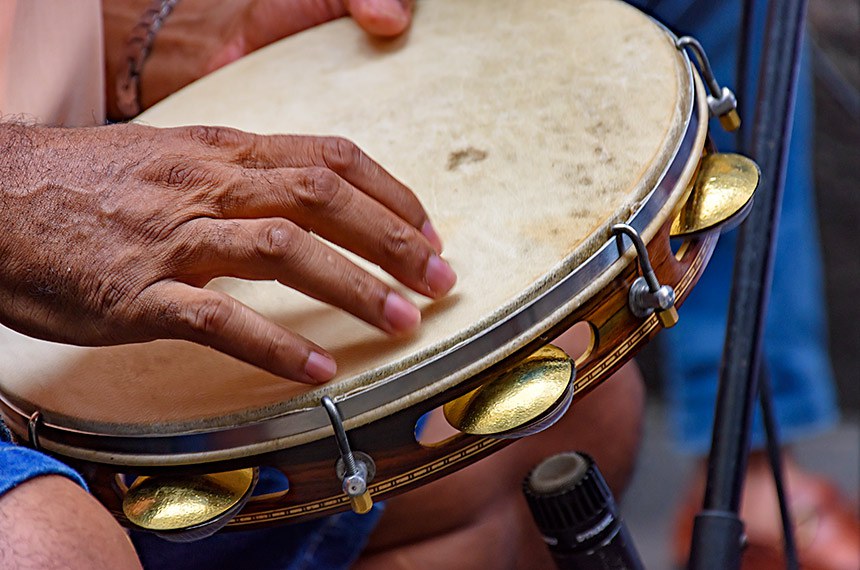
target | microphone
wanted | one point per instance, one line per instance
(576, 513)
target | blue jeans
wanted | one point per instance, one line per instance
(19, 464)
(795, 333)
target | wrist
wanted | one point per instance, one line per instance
(125, 87)
(17, 146)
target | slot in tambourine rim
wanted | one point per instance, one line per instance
(304, 425)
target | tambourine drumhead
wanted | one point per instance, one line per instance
(526, 129)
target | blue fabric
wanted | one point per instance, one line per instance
(795, 333)
(331, 543)
(19, 464)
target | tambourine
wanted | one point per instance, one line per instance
(558, 146)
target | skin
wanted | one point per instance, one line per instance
(51, 523)
(203, 35)
(110, 234)
(108, 242)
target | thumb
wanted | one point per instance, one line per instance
(381, 17)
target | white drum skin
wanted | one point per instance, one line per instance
(526, 129)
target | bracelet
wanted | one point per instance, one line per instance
(136, 51)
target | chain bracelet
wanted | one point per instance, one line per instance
(136, 51)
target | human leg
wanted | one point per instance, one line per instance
(47, 519)
(51, 523)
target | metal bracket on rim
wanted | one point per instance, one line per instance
(721, 101)
(355, 470)
(647, 295)
(33, 429)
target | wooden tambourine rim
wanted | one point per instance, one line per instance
(402, 463)
(73, 444)
(268, 436)
(307, 425)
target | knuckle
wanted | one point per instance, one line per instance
(369, 291)
(397, 243)
(276, 240)
(273, 352)
(181, 174)
(207, 317)
(318, 188)
(182, 253)
(109, 295)
(340, 154)
(218, 137)
(229, 193)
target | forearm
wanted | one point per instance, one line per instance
(200, 36)
(118, 20)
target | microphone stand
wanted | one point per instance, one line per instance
(718, 535)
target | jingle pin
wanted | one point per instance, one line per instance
(647, 295)
(33, 429)
(355, 469)
(721, 100)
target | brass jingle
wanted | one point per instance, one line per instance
(721, 195)
(527, 397)
(188, 507)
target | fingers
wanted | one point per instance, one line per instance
(320, 201)
(337, 154)
(219, 321)
(251, 219)
(278, 249)
(351, 163)
(267, 21)
(382, 17)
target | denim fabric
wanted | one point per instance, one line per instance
(331, 543)
(795, 333)
(19, 464)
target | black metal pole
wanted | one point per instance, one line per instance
(718, 531)
(774, 455)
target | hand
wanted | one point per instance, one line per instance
(110, 233)
(201, 35)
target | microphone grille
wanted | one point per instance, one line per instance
(566, 490)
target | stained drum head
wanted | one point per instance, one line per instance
(526, 128)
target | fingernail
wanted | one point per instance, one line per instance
(401, 315)
(397, 11)
(439, 275)
(388, 18)
(431, 235)
(319, 367)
